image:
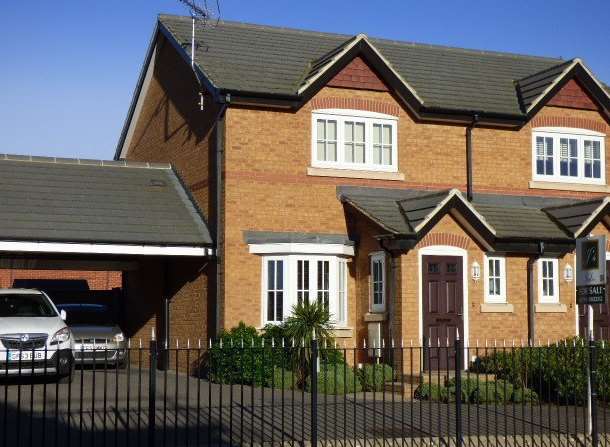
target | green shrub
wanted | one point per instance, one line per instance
(428, 391)
(469, 386)
(524, 395)
(332, 356)
(373, 377)
(338, 378)
(473, 391)
(283, 379)
(498, 391)
(229, 362)
(556, 373)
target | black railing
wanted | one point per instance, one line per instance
(273, 392)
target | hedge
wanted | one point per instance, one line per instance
(228, 362)
(476, 391)
(557, 373)
(337, 378)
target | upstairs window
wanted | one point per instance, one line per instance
(353, 139)
(568, 155)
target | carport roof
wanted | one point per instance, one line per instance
(97, 202)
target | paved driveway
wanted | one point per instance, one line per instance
(100, 409)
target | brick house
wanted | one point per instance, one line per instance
(417, 190)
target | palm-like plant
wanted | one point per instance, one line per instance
(308, 320)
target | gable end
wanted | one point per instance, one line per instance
(574, 96)
(357, 74)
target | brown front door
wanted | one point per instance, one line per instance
(442, 297)
(601, 318)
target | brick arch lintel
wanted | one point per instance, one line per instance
(569, 121)
(450, 239)
(368, 105)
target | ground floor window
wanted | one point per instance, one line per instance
(378, 282)
(495, 279)
(548, 283)
(295, 279)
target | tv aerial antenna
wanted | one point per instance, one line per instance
(203, 14)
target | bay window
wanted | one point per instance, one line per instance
(294, 279)
(275, 290)
(568, 155)
(354, 139)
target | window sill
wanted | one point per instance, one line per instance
(550, 308)
(504, 308)
(565, 186)
(354, 173)
(343, 332)
(373, 317)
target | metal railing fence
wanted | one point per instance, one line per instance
(275, 392)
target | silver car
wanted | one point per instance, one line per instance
(97, 338)
(34, 338)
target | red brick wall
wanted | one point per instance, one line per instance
(172, 128)
(574, 96)
(97, 280)
(357, 74)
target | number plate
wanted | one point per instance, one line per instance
(89, 347)
(26, 355)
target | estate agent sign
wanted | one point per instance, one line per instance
(591, 270)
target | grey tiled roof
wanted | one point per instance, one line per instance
(401, 210)
(573, 216)
(531, 87)
(271, 60)
(416, 209)
(71, 200)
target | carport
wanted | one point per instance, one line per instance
(69, 215)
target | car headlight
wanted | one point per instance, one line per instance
(119, 338)
(61, 336)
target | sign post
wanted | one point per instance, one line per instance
(591, 289)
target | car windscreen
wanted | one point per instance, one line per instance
(25, 305)
(88, 314)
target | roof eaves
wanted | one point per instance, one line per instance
(203, 223)
(550, 87)
(354, 205)
(200, 74)
(454, 193)
(570, 67)
(387, 63)
(587, 223)
(136, 93)
(337, 56)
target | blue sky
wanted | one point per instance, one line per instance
(69, 67)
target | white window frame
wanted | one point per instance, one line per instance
(381, 258)
(369, 119)
(338, 294)
(548, 299)
(496, 298)
(265, 290)
(557, 133)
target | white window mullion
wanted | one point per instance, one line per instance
(324, 139)
(590, 149)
